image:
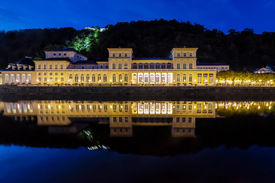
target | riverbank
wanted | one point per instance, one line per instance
(137, 93)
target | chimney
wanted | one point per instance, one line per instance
(184, 47)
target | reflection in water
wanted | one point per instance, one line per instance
(121, 116)
(95, 124)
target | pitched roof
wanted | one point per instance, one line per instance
(151, 58)
(198, 64)
(55, 59)
(64, 49)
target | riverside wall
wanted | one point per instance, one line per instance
(136, 93)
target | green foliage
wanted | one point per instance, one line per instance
(245, 76)
(154, 38)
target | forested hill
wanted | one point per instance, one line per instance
(155, 38)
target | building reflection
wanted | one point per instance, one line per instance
(72, 116)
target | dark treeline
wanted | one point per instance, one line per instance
(155, 38)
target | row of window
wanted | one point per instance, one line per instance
(120, 119)
(183, 120)
(56, 79)
(93, 67)
(152, 66)
(120, 55)
(184, 54)
(97, 78)
(50, 66)
(25, 78)
(205, 79)
(20, 107)
(183, 66)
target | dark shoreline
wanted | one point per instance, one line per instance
(134, 93)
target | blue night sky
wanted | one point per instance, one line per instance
(220, 14)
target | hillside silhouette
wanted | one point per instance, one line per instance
(242, 50)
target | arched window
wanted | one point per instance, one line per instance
(30, 78)
(125, 78)
(120, 78)
(17, 77)
(163, 66)
(23, 78)
(178, 77)
(45, 67)
(184, 78)
(7, 78)
(99, 78)
(12, 78)
(134, 66)
(82, 77)
(93, 78)
(105, 78)
(140, 66)
(169, 66)
(152, 65)
(114, 78)
(157, 66)
(146, 66)
(76, 78)
(51, 66)
(87, 78)
(190, 78)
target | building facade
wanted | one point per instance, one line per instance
(68, 67)
(218, 66)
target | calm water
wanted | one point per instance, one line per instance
(137, 141)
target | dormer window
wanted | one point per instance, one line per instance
(178, 54)
(119, 54)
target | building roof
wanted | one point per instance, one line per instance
(85, 62)
(55, 59)
(184, 49)
(120, 49)
(151, 58)
(26, 61)
(203, 64)
(64, 49)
